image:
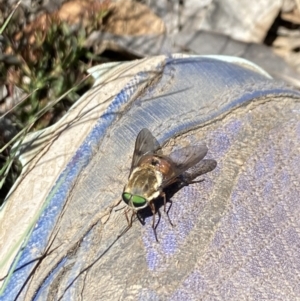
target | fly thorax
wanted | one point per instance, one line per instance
(145, 181)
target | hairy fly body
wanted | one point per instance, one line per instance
(152, 171)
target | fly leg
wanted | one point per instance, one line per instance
(127, 218)
(109, 210)
(186, 181)
(129, 221)
(194, 182)
(163, 194)
(152, 207)
(140, 218)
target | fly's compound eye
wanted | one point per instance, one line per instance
(135, 201)
(138, 201)
(126, 197)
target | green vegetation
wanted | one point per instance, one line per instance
(48, 65)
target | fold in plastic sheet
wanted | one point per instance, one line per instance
(235, 234)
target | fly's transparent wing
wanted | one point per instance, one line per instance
(184, 159)
(145, 144)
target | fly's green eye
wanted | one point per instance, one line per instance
(134, 200)
(138, 201)
(126, 197)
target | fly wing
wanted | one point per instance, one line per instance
(145, 144)
(203, 167)
(184, 159)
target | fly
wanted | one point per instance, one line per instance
(152, 171)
